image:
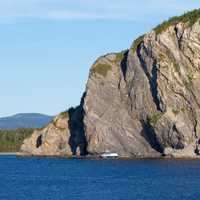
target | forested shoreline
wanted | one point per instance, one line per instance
(11, 140)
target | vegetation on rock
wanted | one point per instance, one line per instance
(190, 77)
(64, 114)
(176, 67)
(189, 82)
(188, 18)
(155, 117)
(11, 140)
(175, 111)
(120, 55)
(101, 69)
(136, 43)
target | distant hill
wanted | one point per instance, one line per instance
(25, 120)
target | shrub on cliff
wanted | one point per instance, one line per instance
(188, 18)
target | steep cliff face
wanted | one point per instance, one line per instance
(142, 102)
(110, 123)
(146, 99)
(171, 62)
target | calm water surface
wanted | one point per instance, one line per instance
(64, 179)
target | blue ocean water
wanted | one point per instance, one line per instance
(71, 179)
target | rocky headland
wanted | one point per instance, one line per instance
(143, 102)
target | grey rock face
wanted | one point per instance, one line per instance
(147, 102)
(110, 123)
(142, 102)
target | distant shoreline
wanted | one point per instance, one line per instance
(8, 153)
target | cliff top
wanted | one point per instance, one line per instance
(188, 18)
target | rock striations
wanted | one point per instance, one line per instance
(142, 102)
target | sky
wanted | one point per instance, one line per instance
(48, 46)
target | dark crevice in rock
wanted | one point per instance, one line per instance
(197, 148)
(179, 144)
(195, 128)
(39, 141)
(179, 37)
(152, 81)
(150, 136)
(76, 126)
(154, 89)
(195, 123)
(123, 64)
(196, 151)
(176, 31)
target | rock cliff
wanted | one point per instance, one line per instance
(51, 140)
(64, 136)
(141, 102)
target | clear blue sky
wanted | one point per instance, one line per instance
(48, 46)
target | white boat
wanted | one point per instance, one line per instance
(109, 155)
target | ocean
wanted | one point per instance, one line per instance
(74, 179)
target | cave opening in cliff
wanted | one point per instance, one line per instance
(39, 141)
